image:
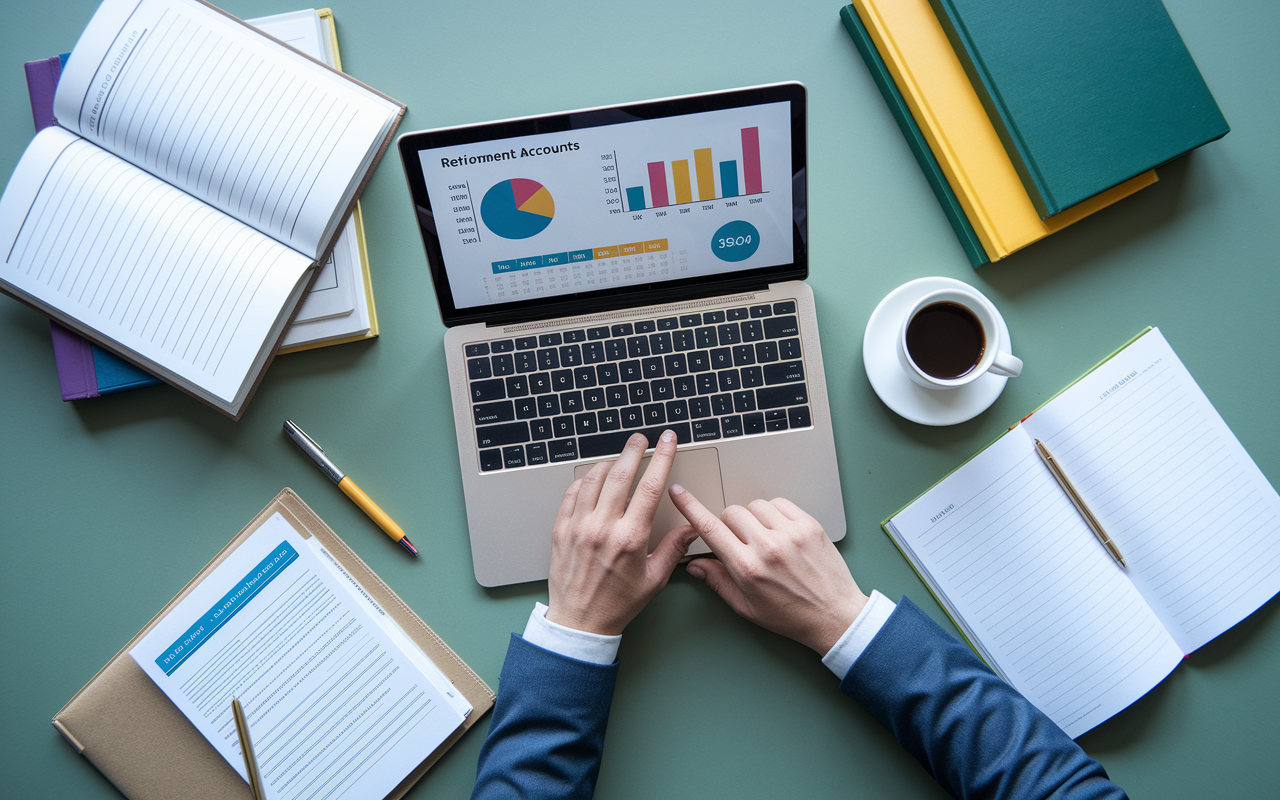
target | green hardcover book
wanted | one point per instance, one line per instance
(1085, 94)
(915, 138)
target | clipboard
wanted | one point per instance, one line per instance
(126, 726)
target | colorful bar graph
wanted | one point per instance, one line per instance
(635, 198)
(728, 178)
(706, 175)
(751, 160)
(658, 183)
(680, 177)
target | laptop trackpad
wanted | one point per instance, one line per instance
(696, 470)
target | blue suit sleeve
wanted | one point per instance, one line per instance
(547, 731)
(974, 733)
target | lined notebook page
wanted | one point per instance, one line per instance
(205, 104)
(186, 287)
(1197, 522)
(1032, 587)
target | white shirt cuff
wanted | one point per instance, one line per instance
(864, 628)
(595, 648)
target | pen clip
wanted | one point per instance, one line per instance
(295, 429)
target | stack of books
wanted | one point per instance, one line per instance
(1028, 117)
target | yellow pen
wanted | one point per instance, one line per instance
(246, 750)
(347, 485)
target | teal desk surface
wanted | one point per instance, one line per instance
(108, 506)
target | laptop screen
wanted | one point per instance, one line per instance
(630, 205)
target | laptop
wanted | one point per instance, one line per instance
(624, 269)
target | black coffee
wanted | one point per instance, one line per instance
(945, 340)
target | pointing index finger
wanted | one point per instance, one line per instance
(722, 541)
(644, 503)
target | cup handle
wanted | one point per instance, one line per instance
(1006, 364)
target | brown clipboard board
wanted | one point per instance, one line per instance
(126, 726)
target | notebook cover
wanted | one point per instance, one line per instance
(1085, 94)
(969, 241)
(123, 723)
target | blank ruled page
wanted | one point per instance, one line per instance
(109, 248)
(1033, 588)
(209, 106)
(1197, 522)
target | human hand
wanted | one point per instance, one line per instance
(601, 572)
(776, 568)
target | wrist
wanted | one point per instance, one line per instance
(581, 620)
(835, 624)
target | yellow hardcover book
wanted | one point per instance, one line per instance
(947, 109)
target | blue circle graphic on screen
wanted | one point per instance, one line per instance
(735, 241)
(517, 209)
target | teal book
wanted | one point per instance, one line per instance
(915, 138)
(1085, 94)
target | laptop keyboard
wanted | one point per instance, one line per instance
(580, 394)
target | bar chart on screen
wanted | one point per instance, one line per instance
(683, 181)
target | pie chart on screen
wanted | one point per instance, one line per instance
(517, 208)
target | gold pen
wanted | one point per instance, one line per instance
(246, 750)
(1078, 502)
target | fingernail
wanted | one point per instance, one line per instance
(695, 569)
(668, 436)
(677, 488)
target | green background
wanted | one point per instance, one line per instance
(108, 506)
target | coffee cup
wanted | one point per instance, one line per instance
(951, 338)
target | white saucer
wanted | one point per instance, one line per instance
(901, 394)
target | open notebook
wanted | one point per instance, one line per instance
(1025, 580)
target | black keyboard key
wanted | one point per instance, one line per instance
(606, 374)
(488, 413)
(535, 453)
(699, 407)
(731, 426)
(752, 423)
(562, 380)
(685, 386)
(481, 349)
(498, 435)
(651, 368)
(712, 317)
(766, 352)
(562, 427)
(526, 361)
(675, 364)
(478, 368)
(788, 394)
(571, 355)
(622, 329)
(690, 320)
(575, 336)
(513, 456)
(677, 411)
(549, 340)
(490, 460)
(751, 377)
(682, 340)
(549, 405)
(526, 342)
(743, 355)
(668, 323)
(707, 383)
(630, 371)
(571, 402)
(609, 420)
(706, 337)
(789, 348)
(730, 380)
(638, 346)
(610, 444)
(563, 450)
(615, 396)
(699, 361)
(517, 386)
(592, 352)
(615, 349)
(785, 307)
(761, 311)
(738, 313)
(655, 414)
(647, 326)
(503, 365)
(548, 359)
(598, 333)
(584, 377)
(706, 430)
(660, 343)
(775, 420)
(721, 358)
(593, 398)
(798, 416)
(482, 391)
(729, 333)
(639, 392)
(526, 408)
(541, 429)
(784, 372)
(752, 331)
(540, 382)
(503, 346)
(585, 423)
(722, 404)
(778, 327)
(632, 417)
(662, 390)
(744, 401)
